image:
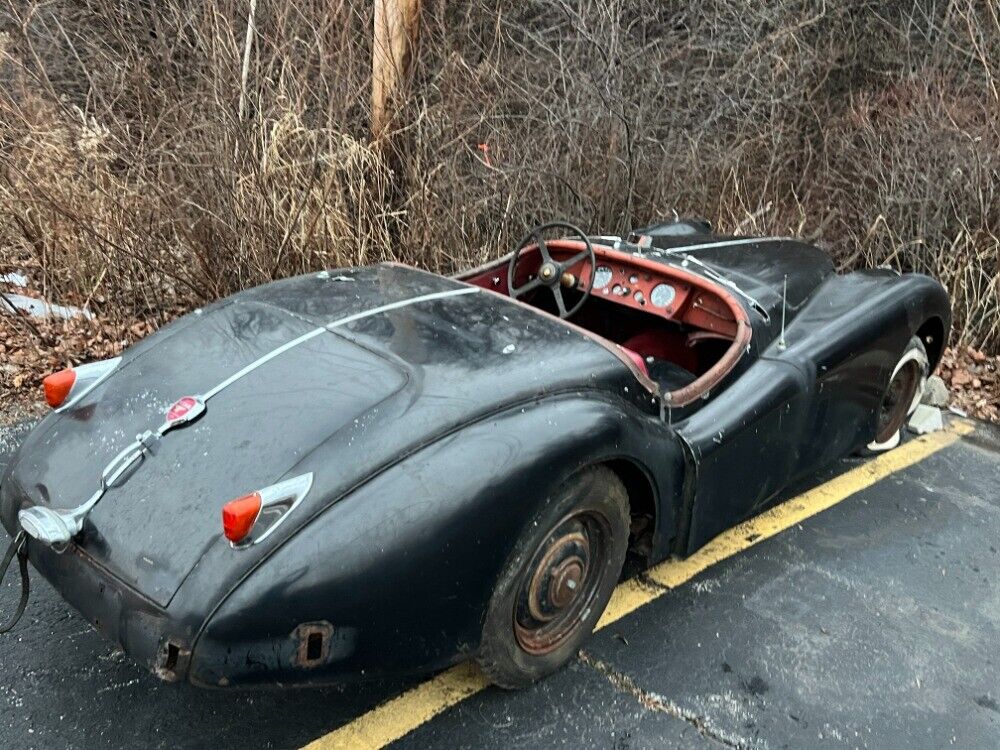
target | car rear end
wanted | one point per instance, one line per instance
(150, 529)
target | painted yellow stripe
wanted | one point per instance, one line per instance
(404, 713)
(630, 595)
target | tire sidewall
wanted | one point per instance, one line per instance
(914, 352)
(596, 489)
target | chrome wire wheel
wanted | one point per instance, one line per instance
(562, 582)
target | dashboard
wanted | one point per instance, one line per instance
(647, 285)
(703, 309)
(641, 287)
(628, 280)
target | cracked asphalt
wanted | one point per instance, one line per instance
(873, 624)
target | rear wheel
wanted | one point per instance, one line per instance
(557, 581)
(902, 396)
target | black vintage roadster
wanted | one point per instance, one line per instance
(381, 470)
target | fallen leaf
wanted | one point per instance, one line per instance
(961, 377)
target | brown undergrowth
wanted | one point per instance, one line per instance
(133, 183)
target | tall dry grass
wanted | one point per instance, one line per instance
(132, 179)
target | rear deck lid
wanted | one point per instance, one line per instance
(152, 530)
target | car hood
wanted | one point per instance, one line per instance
(764, 269)
(366, 389)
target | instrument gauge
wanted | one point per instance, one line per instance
(602, 277)
(662, 295)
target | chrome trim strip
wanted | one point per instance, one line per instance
(401, 303)
(262, 360)
(292, 491)
(329, 327)
(52, 526)
(108, 365)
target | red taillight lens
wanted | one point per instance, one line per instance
(57, 387)
(239, 516)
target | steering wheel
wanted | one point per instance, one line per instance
(552, 273)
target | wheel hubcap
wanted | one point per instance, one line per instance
(566, 582)
(560, 582)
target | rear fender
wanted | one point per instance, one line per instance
(394, 578)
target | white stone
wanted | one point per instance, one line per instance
(15, 278)
(926, 419)
(39, 308)
(935, 392)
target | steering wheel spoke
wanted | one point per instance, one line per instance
(550, 271)
(542, 248)
(560, 302)
(526, 287)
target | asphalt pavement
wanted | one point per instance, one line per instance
(875, 623)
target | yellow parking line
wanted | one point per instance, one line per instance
(672, 573)
(404, 713)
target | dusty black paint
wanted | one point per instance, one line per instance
(848, 618)
(433, 432)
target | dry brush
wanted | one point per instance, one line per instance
(154, 155)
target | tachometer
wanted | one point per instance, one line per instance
(602, 277)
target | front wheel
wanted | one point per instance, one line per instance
(557, 581)
(902, 397)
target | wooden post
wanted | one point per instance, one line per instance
(397, 23)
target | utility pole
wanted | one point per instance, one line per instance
(397, 23)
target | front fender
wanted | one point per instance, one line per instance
(395, 577)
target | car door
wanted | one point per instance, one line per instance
(743, 447)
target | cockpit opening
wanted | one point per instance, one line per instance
(680, 332)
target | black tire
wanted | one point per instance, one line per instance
(557, 581)
(901, 398)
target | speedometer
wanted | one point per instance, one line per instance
(662, 295)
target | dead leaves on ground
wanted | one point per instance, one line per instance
(26, 358)
(974, 379)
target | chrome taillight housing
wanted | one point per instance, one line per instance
(254, 517)
(66, 387)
